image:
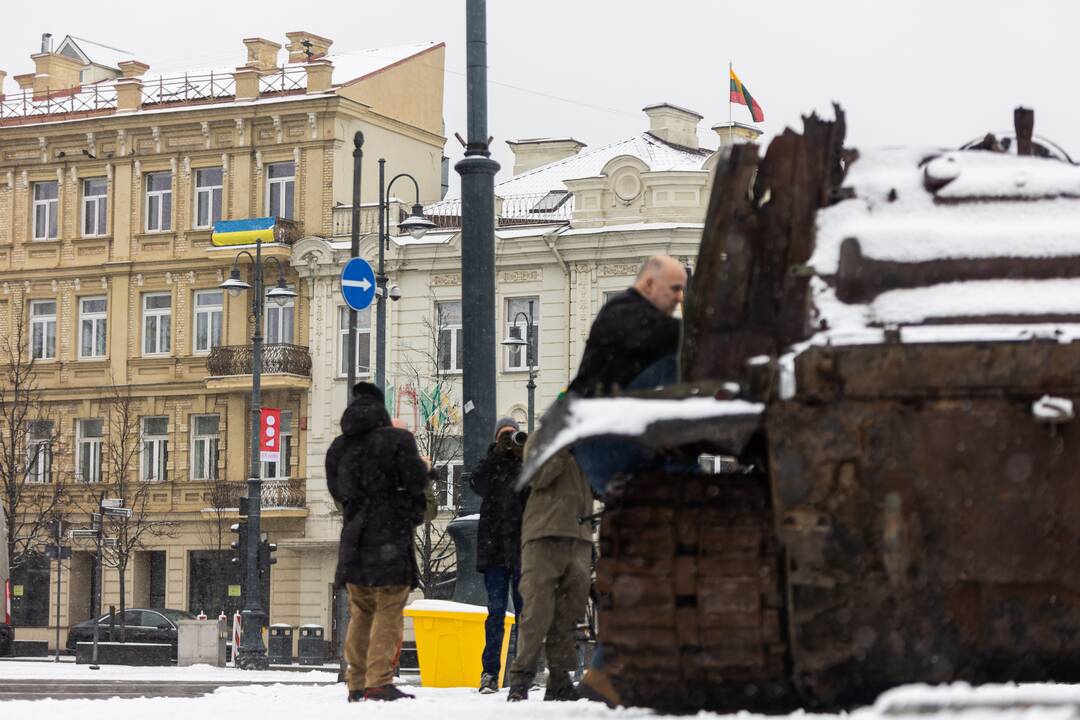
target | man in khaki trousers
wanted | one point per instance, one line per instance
(375, 472)
(556, 572)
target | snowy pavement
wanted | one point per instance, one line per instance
(327, 702)
(194, 673)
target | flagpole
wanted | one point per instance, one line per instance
(731, 124)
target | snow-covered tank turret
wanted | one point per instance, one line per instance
(890, 338)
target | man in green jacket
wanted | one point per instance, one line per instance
(556, 572)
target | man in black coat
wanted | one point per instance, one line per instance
(375, 473)
(498, 540)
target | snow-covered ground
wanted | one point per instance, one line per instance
(195, 673)
(327, 702)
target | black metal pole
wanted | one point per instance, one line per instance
(97, 557)
(477, 171)
(252, 654)
(530, 357)
(59, 579)
(340, 594)
(354, 251)
(380, 287)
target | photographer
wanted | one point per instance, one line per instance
(498, 539)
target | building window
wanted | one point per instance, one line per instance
(448, 485)
(449, 351)
(158, 201)
(39, 440)
(363, 341)
(88, 436)
(204, 447)
(46, 205)
(279, 321)
(280, 470)
(43, 330)
(30, 592)
(92, 327)
(155, 449)
(280, 188)
(95, 206)
(207, 197)
(209, 311)
(516, 357)
(157, 323)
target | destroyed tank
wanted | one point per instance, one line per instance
(886, 342)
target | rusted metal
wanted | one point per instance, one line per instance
(910, 512)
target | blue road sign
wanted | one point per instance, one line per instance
(358, 284)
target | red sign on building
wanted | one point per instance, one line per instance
(270, 435)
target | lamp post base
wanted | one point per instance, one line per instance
(251, 654)
(469, 587)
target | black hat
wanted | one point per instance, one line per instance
(368, 390)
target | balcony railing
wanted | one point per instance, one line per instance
(276, 493)
(277, 358)
(283, 80)
(188, 87)
(287, 231)
(28, 104)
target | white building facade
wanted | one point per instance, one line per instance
(573, 226)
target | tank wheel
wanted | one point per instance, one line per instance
(690, 594)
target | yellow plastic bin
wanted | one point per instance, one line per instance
(450, 642)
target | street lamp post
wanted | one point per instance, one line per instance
(526, 341)
(416, 225)
(252, 652)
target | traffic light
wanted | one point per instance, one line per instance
(266, 556)
(240, 543)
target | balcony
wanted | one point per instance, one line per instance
(277, 493)
(283, 366)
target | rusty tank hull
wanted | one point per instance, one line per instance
(891, 340)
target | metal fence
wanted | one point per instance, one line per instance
(285, 358)
(283, 80)
(188, 87)
(29, 104)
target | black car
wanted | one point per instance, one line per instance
(144, 625)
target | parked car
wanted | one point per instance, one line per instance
(144, 625)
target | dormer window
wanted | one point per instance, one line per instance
(551, 202)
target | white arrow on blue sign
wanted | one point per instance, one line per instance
(358, 284)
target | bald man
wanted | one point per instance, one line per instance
(633, 331)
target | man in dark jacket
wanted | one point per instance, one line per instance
(498, 540)
(633, 331)
(376, 474)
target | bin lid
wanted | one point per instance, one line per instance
(281, 625)
(311, 625)
(438, 608)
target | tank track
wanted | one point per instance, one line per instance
(691, 606)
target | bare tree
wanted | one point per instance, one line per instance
(29, 439)
(120, 470)
(437, 418)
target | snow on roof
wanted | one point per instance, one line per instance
(654, 152)
(352, 65)
(960, 244)
(99, 54)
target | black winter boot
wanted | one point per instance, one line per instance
(386, 692)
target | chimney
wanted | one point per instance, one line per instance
(54, 72)
(2, 76)
(302, 42)
(247, 82)
(319, 75)
(262, 53)
(534, 152)
(46, 42)
(1024, 124)
(735, 133)
(132, 68)
(674, 125)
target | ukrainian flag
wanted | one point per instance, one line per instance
(243, 232)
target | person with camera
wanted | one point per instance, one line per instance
(498, 539)
(556, 570)
(375, 472)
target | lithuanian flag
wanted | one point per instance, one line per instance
(742, 96)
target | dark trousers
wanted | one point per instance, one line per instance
(500, 583)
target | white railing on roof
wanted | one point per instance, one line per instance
(283, 79)
(510, 210)
(188, 87)
(26, 104)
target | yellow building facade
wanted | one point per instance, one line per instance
(109, 284)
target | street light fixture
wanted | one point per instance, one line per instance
(530, 355)
(252, 653)
(417, 225)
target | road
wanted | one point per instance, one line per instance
(38, 689)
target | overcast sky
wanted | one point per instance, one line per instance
(939, 72)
